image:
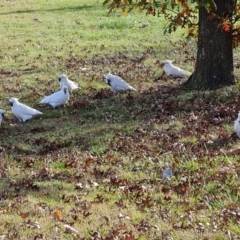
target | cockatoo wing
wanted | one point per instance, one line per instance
(178, 72)
(25, 110)
(51, 98)
(236, 123)
(72, 85)
(118, 84)
(69, 83)
(174, 71)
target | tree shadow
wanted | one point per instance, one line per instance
(75, 8)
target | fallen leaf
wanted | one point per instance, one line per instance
(57, 214)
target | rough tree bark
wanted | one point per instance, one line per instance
(214, 64)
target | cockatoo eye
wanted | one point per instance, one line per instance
(109, 82)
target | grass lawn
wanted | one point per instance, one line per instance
(93, 168)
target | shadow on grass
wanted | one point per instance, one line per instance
(95, 119)
(121, 123)
(75, 8)
(48, 188)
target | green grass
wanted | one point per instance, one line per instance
(99, 159)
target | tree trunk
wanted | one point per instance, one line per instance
(214, 65)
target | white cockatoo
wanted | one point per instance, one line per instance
(1, 116)
(21, 111)
(174, 71)
(58, 98)
(63, 80)
(117, 84)
(237, 125)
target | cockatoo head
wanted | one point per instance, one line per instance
(62, 77)
(165, 62)
(64, 89)
(12, 101)
(2, 112)
(108, 78)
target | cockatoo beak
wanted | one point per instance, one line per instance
(162, 64)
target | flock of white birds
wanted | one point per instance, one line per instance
(23, 112)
